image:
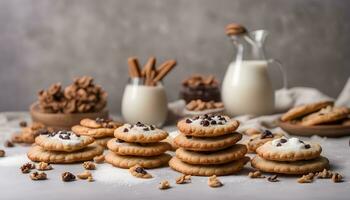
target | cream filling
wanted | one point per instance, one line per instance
(74, 138)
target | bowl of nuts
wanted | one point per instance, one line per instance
(62, 108)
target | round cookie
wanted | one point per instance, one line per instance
(103, 141)
(300, 111)
(99, 123)
(207, 144)
(292, 149)
(129, 161)
(140, 133)
(137, 149)
(63, 141)
(326, 116)
(208, 170)
(258, 140)
(38, 154)
(207, 125)
(93, 132)
(297, 167)
(235, 152)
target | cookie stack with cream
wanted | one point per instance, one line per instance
(138, 144)
(208, 146)
(63, 147)
(290, 156)
(100, 129)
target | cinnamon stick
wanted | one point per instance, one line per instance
(134, 67)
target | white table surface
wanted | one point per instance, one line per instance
(15, 185)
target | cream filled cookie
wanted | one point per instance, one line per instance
(292, 149)
(258, 140)
(96, 128)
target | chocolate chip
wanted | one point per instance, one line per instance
(212, 122)
(146, 129)
(188, 121)
(126, 130)
(23, 124)
(220, 123)
(68, 177)
(8, 144)
(273, 178)
(152, 127)
(131, 126)
(283, 140)
(266, 134)
(188, 137)
(205, 123)
(278, 144)
(205, 116)
(120, 141)
(140, 124)
(140, 170)
(307, 146)
(301, 141)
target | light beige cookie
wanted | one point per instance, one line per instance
(326, 116)
(207, 125)
(140, 133)
(297, 167)
(100, 123)
(93, 132)
(38, 154)
(207, 143)
(292, 149)
(103, 141)
(303, 110)
(227, 155)
(256, 141)
(208, 170)
(63, 141)
(130, 161)
(137, 149)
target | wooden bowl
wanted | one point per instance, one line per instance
(62, 120)
(320, 130)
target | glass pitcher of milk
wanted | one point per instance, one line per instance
(247, 87)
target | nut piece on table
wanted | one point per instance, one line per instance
(273, 178)
(27, 167)
(139, 172)
(89, 165)
(183, 179)
(337, 178)
(214, 182)
(2, 153)
(68, 177)
(23, 124)
(8, 144)
(99, 159)
(164, 185)
(36, 176)
(324, 174)
(84, 175)
(43, 166)
(308, 178)
(256, 174)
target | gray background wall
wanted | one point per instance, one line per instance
(43, 41)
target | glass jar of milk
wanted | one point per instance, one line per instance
(143, 103)
(247, 88)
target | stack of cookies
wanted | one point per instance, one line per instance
(290, 156)
(63, 147)
(100, 129)
(138, 144)
(208, 146)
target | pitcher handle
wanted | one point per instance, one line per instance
(282, 70)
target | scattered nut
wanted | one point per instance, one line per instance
(183, 179)
(164, 185)
(8, 144)
(99, 159)
(256, 174)
(89, 165)
(309, 178)
(324, 174)
(90, 179)
(43, 166)
(38, 176)
(84, 175)
(337, 178)
(2, 153)
(273, 178)
(213, 181)
(23, 124)
(68, 177)
(27, 167)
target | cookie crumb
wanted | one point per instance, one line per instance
(256, 174)
(273, 178)
(183, 179)
(139, 172)
(36, 176)
(43, 166)
(308, 178)
(164, 185)
(27, 167)
(90, 179)
(9, 144)
(2, 153)
(89, 165)
(99, 159)
(68, 177)
(325, 174)
(84, 175)
(337, 178)
(214, 182)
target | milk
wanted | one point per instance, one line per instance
(146, 104)
(247, 88)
